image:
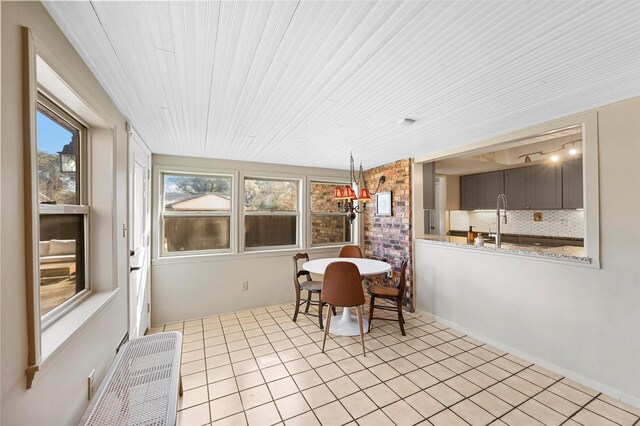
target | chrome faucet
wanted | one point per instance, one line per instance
(504, 203)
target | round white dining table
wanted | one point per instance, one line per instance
(347, 325)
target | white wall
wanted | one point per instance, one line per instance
(581, 321)
(59, 394)
(204, 287)
(192, 287)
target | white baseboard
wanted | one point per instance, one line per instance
(585, 381)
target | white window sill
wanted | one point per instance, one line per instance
(210, 257)
(55, 335)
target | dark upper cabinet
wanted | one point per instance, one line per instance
(572, 184)
(546, 187)
(534, 188)
(480, 191)
(429, 185)
(470, 192)
(492, 186)
(516, 188)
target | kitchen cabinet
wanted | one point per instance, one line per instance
(545, 191)
(429, 185)
(470, 192)
(534, 187)
(481, 191)
(572, 184)
(492, 185)
(549, 242)
(526, 240)
(516, 188)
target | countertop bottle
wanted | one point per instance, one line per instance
(471, 236)
(479, 240)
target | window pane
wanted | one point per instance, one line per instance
(321, 198)
(268, 231)
(330, 229)
(196, 233)
(61, 257)
(58, 170)
(270, 195)
(197, 193)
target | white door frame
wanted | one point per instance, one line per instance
(139, 288)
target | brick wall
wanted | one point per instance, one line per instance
(389, 237)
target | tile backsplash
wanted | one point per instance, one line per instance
(555, 223)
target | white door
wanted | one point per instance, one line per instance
(139, 236)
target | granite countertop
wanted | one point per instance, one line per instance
(564, 252)
(485, 233)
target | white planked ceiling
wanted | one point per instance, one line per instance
(305, 82)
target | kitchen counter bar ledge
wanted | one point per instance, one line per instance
(569, 253)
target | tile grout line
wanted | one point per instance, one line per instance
(342, 345)
(584, 407)
(400, 356)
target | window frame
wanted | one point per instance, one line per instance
(232, 214)
(83, 207)
(354, 224)
(300, 207)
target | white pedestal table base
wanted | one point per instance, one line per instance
(347, 324)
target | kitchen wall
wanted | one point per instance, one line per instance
(187, 287)
(59, 392)
(578, 320)
(555, 223)
(390, 237)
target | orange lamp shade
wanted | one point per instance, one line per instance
(337, 193)
(348, 192)
(365, 196)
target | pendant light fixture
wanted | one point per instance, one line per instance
(345, 195)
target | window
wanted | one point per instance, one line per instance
(63, 209)
(271, 213)
(196, 214)
(328, 226)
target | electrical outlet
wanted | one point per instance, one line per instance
(91, 384)
(244, 285)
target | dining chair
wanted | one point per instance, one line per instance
(342, 286)
(311, 286)
(391, 294)
(350, 251)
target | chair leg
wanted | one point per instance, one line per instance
(326, 329)
(333, 308)
(306, 310)
(400, 316)
(320, 306)
(360, 315)
(295, 314)
(371, 305)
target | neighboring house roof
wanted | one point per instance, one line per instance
(208, 201)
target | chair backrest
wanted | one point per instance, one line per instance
(402, 283)
(342, 285)
(297, 271)
(350, 251)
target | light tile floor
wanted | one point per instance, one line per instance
(258, 367)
